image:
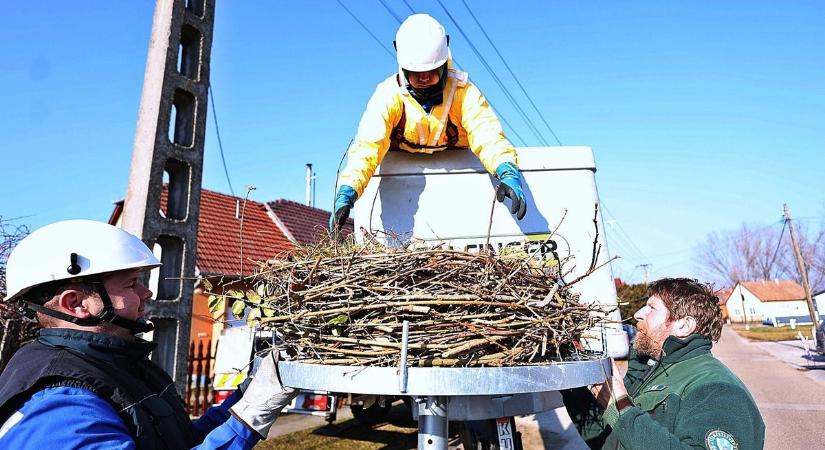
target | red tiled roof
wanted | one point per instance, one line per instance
(219, 234)
(775, 290)
(305, 223)
(219, 243)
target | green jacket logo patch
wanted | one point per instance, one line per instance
(720, 440)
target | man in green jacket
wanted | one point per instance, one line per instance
(675, 394)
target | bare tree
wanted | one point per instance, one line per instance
(14, 329)
(753, 253)
(10, 235)
(812, 246)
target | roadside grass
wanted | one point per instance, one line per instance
(399, 432)
(766, 333)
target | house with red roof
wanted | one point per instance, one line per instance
(234, 236)
(303, 224)
(723, 295)
(768, 301)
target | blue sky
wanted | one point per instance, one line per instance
(702, 115)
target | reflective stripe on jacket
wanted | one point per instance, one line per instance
(103, 392)
(75, 418)
(463, 109)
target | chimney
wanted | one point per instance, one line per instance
(310, 186)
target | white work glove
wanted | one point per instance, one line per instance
(264, 397)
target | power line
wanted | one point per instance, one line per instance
(775, 252)
(495, 77)
(524, 91)
(621, 250)
(392, 13)
(618, 245)
(408, 6)
(389, 52)
(218, 134)
(621, 230)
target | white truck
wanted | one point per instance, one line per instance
(447, 199)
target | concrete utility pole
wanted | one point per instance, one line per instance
(168, 150)
(800, 265)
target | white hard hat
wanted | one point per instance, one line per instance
(70, 249)
(421, 44)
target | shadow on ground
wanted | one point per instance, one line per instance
(398, 432)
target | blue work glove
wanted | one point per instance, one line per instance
(344, 201)
(510, 186)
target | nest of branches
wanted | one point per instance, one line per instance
(345, 304)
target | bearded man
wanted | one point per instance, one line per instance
(675, 394)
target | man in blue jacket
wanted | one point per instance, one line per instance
(87, 381)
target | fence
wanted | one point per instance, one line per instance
(199, 394)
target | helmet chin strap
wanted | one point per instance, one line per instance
(430, 94)
(106, 316)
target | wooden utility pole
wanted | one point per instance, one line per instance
(744, 312)
(803, 272)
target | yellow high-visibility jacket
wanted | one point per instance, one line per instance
(394, 119)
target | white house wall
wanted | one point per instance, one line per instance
(753, 306)
(819, 303)
(785, 309)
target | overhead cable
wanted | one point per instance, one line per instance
(408, 6)
(524, 91)
(498, 81)
(218, 134)
(389, 52)
(392, 13)
(775, 252)
(621, 230)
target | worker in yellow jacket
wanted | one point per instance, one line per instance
(424, 108)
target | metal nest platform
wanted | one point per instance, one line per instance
(444, 381)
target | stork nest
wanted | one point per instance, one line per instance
(346, 304)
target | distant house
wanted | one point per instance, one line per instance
(774, 301)
(724, 295)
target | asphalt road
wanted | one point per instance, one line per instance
(788, 388)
